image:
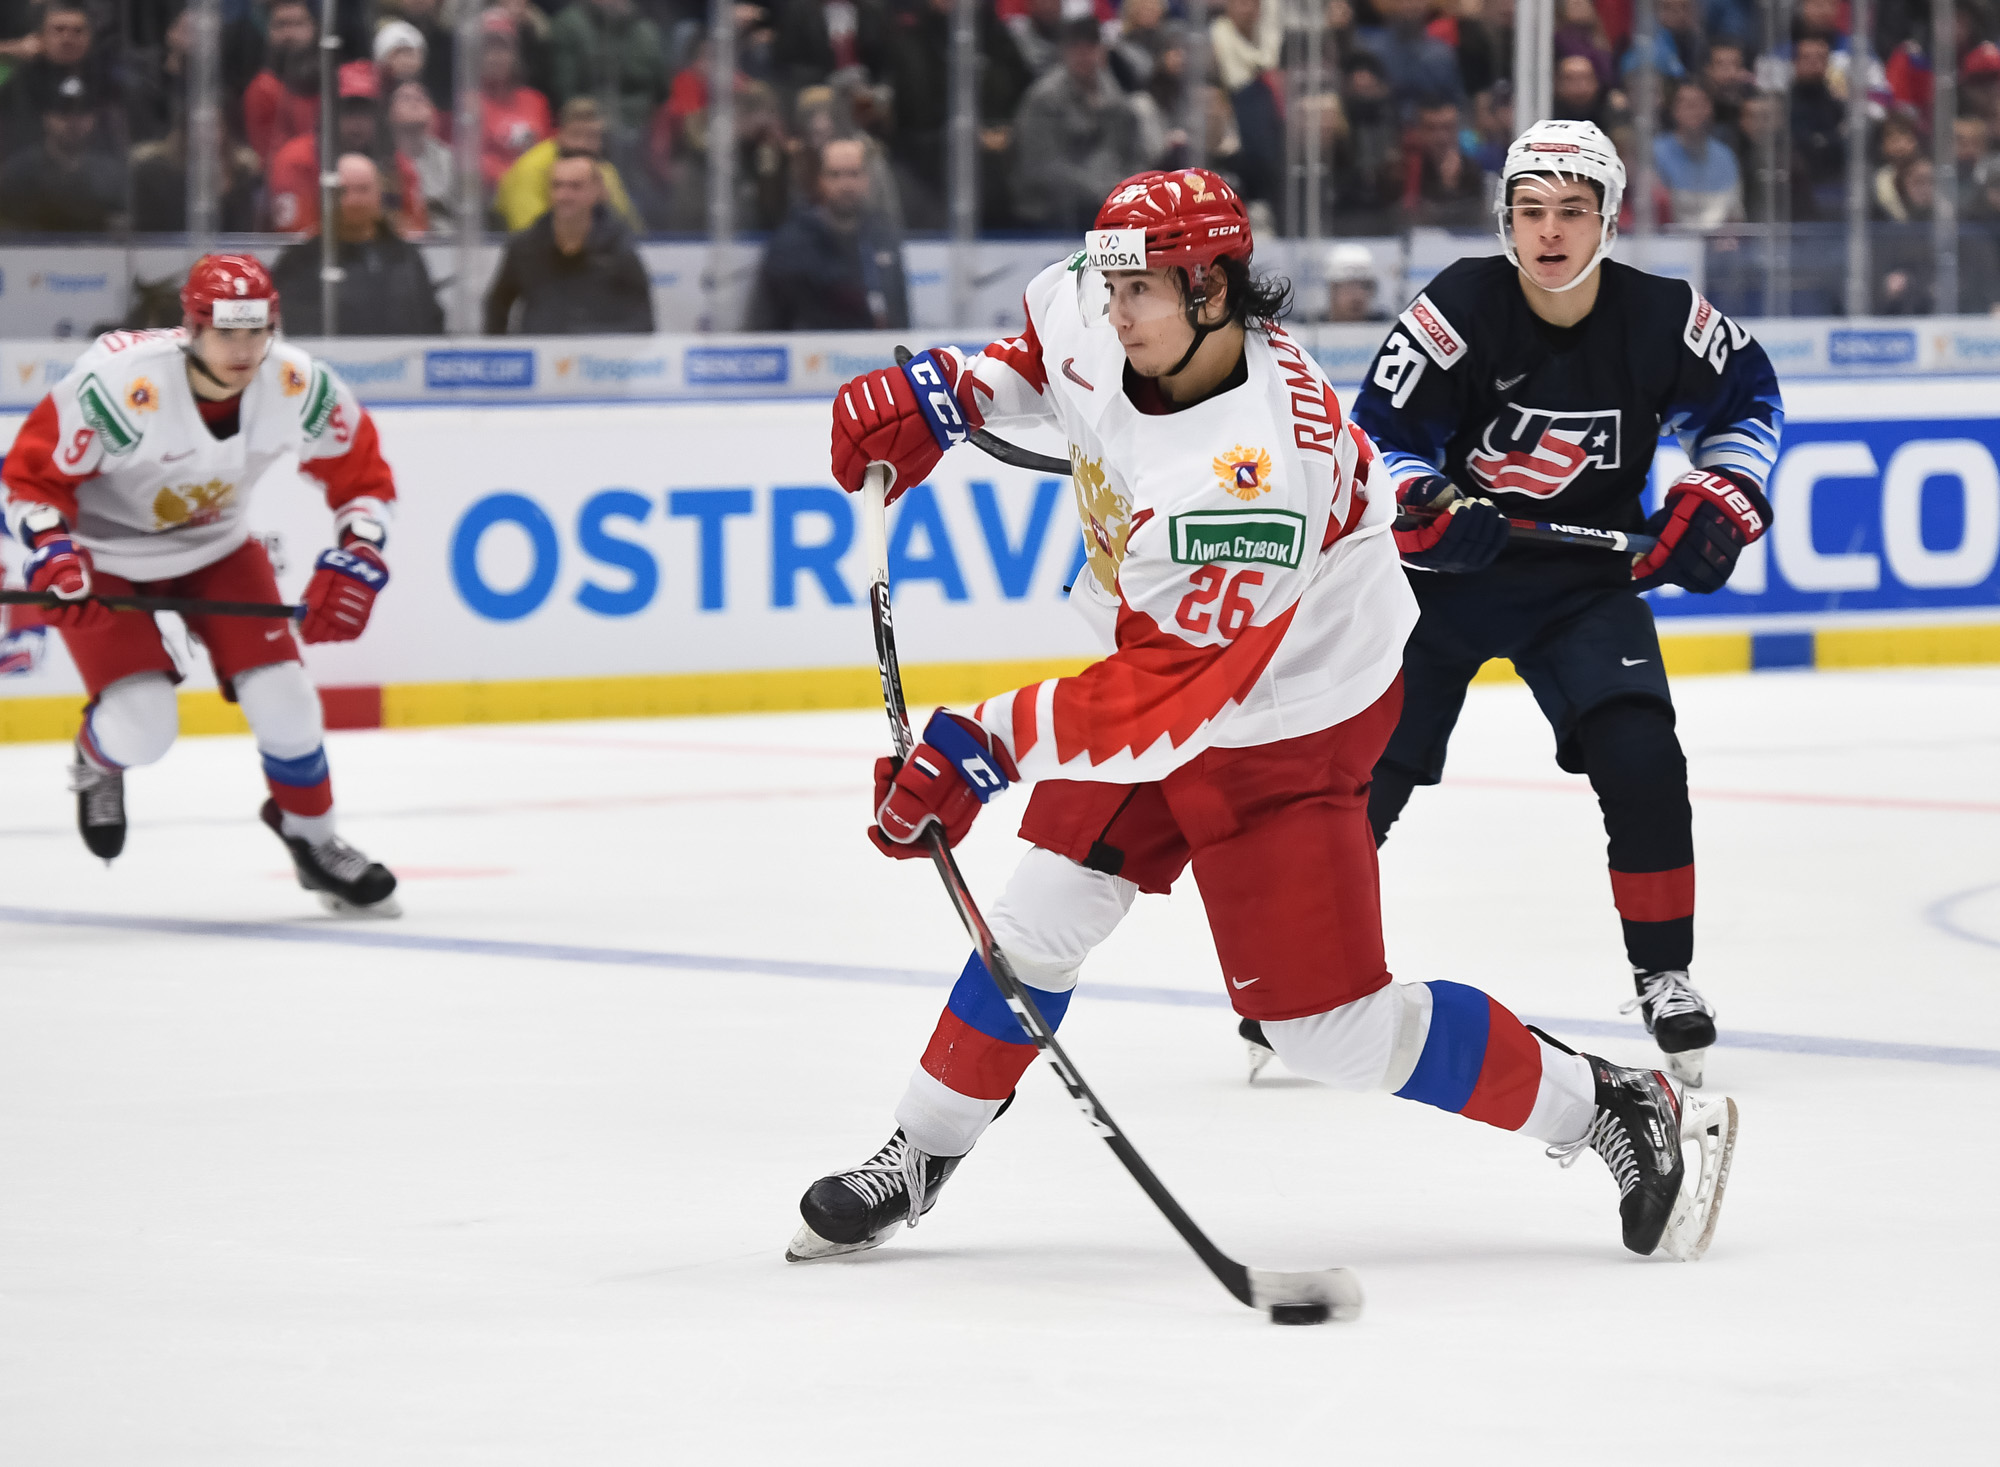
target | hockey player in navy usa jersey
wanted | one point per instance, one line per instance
(1536, 385)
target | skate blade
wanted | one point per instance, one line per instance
(806, 1245)
(1711, 1127)
(1339, 1289)
(386, 908)
(1260, 1056)
(1687, 1066)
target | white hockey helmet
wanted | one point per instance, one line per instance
(1567, 150)
(1350, 263)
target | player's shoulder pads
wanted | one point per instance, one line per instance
(304, 382)
(1439, 318)
(115, 387)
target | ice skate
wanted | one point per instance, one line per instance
(346, 882)
(1680, 1020)
(860, 1209)
(100, 807)
(1641, 1130)
(1261, 1053)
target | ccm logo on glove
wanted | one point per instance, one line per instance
(341, 593)
(945, 781)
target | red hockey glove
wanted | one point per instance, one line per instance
(61, 566)
(905, 417)
(1707, 519)
(955, 770)
(341, 593)
(1467, 536)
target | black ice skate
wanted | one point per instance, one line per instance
(1640, 1129)
(850, 1211)
(100, 807)
(1679, 1019)
(1261, 1053)
(344, 880)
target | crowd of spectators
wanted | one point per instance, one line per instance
(595, 126)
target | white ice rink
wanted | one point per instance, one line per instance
(509, 1181)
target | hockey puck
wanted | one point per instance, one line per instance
(1300, 1314)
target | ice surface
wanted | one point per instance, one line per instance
(280, 1189)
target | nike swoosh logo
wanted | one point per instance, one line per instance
(1502, 384)
(1067, 372)
(168, 458)
(1245, 983)
(272, 636)
(1634, 661)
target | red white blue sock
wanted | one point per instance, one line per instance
(976, 1056)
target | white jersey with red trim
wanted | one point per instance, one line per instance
(1238, 566)
(120, 447)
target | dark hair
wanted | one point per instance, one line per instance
(1081, 30)
(1253, 301)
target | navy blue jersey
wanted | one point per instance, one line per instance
(1560, 423)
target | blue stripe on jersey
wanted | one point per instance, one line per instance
(1739, 425)
(1454, 1049)
(976, 999)
(301, 773)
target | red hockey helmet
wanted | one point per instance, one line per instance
(1188, 217)
(229, 291)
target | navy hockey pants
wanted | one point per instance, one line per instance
(1584, 642)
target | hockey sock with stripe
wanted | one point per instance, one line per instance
(1481, 1062)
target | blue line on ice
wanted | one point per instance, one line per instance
(346, 935)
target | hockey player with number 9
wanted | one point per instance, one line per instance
(135, 474)
(1246, 585)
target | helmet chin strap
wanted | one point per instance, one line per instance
(195, 361)
(1201, 332)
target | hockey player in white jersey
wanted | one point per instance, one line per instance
(135, 474)
(1253, 613)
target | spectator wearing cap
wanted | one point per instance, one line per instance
(1077, 136)
(574, 270)
(1700, 173)
(64, 183)
(67, 63)
(440, 49)
(512, 117)
(1352, 284)
(522, 196)
(833, 265)
(386, 289)
(413, 129)
(293, 185)
(400, 52)
(282, 100)
(606, 49)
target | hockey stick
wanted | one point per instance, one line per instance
(1291, 1298)
(1528, 532)
(1000, 448)
(1542, 532)
(184, 605)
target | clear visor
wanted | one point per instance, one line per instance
(1540, 197)
(1138, 297)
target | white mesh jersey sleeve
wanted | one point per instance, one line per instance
(1007, 385)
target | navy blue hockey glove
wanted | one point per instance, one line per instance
(1707, 519)
(1468, 536)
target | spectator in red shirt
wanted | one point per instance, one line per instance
(282, 100)
(294, 176)
(513, 117)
